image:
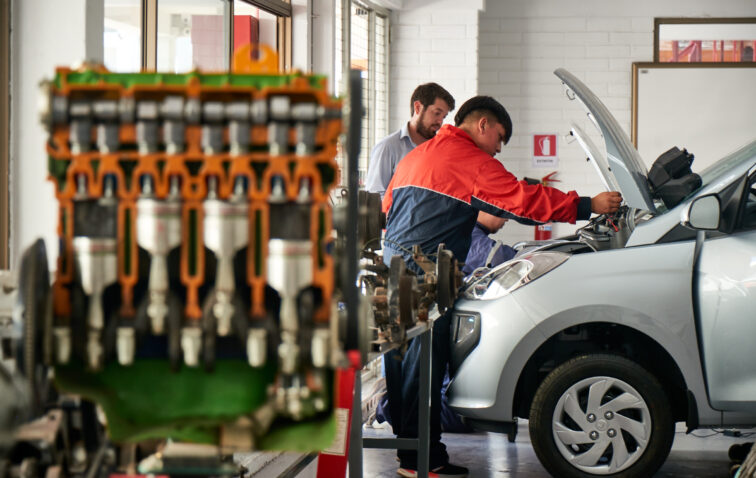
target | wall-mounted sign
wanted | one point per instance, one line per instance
(545, 151)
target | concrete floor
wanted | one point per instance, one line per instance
(490, 455)
(702, 454)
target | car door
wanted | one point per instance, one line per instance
(726, 289)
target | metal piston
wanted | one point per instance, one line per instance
(226, 229)
(289, 271)
(97, 263)
(158, 232)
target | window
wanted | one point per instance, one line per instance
(254, 25)
(180, 35)
(122, 37)
(381, 85)
(359, 48)
(749, 205)
(4, 130)
(191, 35)
(367, 51)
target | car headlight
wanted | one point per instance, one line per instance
(465, 325)
(511, 275)
(465, 329)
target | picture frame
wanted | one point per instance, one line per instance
(702, 40)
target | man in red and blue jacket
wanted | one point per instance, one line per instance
(433, 198)
(435, 195)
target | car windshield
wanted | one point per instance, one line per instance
(727, 163)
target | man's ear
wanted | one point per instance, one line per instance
(483, 123)
(418, 107)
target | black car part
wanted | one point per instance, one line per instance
(672, 178)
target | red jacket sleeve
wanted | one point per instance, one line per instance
(387, 197)
(502, 193)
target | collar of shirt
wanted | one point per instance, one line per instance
(405, 134)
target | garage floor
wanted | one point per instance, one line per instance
(490, 455)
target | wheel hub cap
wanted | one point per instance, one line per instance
(583, 440)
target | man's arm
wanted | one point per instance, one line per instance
(498, 192)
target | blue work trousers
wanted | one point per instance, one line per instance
(402, 388)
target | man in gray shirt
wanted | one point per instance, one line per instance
(429, 106)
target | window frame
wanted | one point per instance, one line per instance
(280, 8)
(374, 11)
(5, 55)
(750, 184)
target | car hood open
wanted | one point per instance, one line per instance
(625, 168)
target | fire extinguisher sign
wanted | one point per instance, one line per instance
(545, 151)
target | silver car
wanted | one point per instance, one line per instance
(604, 340)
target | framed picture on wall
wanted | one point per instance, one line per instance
(704, 40)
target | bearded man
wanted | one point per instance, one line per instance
(429, 105)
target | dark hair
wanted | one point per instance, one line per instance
(427, 93)
(485, 105)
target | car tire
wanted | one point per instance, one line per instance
(580, 429)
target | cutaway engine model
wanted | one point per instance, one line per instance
(200, 287)
(193, 218)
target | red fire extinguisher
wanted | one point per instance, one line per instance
(543, 231)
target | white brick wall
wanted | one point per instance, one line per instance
(432, 41)
(521, 42)
(41, 39)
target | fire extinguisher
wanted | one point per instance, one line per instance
(543, 231)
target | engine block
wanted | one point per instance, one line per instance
(194, 227)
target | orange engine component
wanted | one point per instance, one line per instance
(207, 193)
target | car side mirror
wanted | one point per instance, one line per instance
(702, 214)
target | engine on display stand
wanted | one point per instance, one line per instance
(202, 294)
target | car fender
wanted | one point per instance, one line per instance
(645, 288)
(648, 289)
(475, 385)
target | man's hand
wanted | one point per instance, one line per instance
(606, 202)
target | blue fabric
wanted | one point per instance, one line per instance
(450, 421)
(402, 389)
(480, 247)
(449, 221)
(384, 157)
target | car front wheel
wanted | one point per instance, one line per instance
(601, 415)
